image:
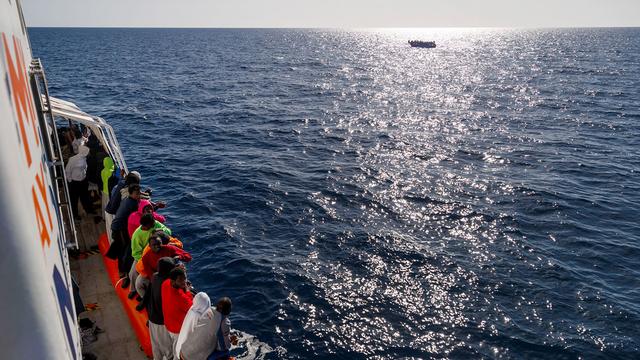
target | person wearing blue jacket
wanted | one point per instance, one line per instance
(121, 247)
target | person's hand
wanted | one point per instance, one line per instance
(161, 204)
(234, 340)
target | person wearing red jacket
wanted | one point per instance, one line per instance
(149, 261)
(176, 302)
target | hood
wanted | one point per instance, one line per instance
(108, 163)
(165, 265)
(142, 204)
(83, 150)
(201, 303)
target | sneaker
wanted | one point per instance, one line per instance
(132, 294)
(139, 307)
(125, 283)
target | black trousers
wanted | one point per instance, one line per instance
(79, 190)
(121, 249)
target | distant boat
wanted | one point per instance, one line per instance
(422, 44)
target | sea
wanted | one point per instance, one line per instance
(357, 198)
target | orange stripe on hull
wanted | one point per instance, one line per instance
(137, 319)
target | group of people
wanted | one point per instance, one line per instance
(182, 323)
(81, 152)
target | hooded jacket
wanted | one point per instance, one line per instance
(134, 218)
(153, 295)
(76, 169)
(106, 173)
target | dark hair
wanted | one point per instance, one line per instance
(77, 134)
(224, 306)
(176, 273)
(147, 220)
(165, 265)
(164, 238)
(133, 188)
(131, 179)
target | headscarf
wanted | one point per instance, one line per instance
(165, 265)
(201, 303)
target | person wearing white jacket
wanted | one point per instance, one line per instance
(76, 172)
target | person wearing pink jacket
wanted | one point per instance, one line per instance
(144, 207)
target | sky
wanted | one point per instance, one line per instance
(332, 13)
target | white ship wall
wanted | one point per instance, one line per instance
(37, 317)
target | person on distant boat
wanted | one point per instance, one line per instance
(222, 328)
(197, 334)
(176, 302)
(144, 207)
(76, 172)
(121, 247)
(161, 342)
(149, 261)
(139, 240)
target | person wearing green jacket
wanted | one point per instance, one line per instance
(140, 240)
(105, 174)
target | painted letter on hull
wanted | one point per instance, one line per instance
(37, 312)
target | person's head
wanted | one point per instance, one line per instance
(145, 207)
(178, 277)
(134, 191)
(224, 306)
(165, 265)
(155, 244)
(162, 236)
(132, 178)
(77, 134)
(147, 221)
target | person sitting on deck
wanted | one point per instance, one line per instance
(76, 172)
(139, 240)
(222, 331)
(161, 342)
(144, 207)
(121, 247)
(176, 302)
(149, 262)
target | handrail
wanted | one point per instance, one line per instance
(53, 151)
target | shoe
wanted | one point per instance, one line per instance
(139, 307)
(139, 298)
(125, 283)
(132, 294)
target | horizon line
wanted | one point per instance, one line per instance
(340, 28)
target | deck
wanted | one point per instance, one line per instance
(118, 341)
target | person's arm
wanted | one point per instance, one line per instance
(186, 300)
(226, 334)
(159, 217)
(164, 228)
(136, 246)
(180, 254)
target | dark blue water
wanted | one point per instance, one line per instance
(357, 198)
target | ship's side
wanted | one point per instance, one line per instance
(38, 314)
